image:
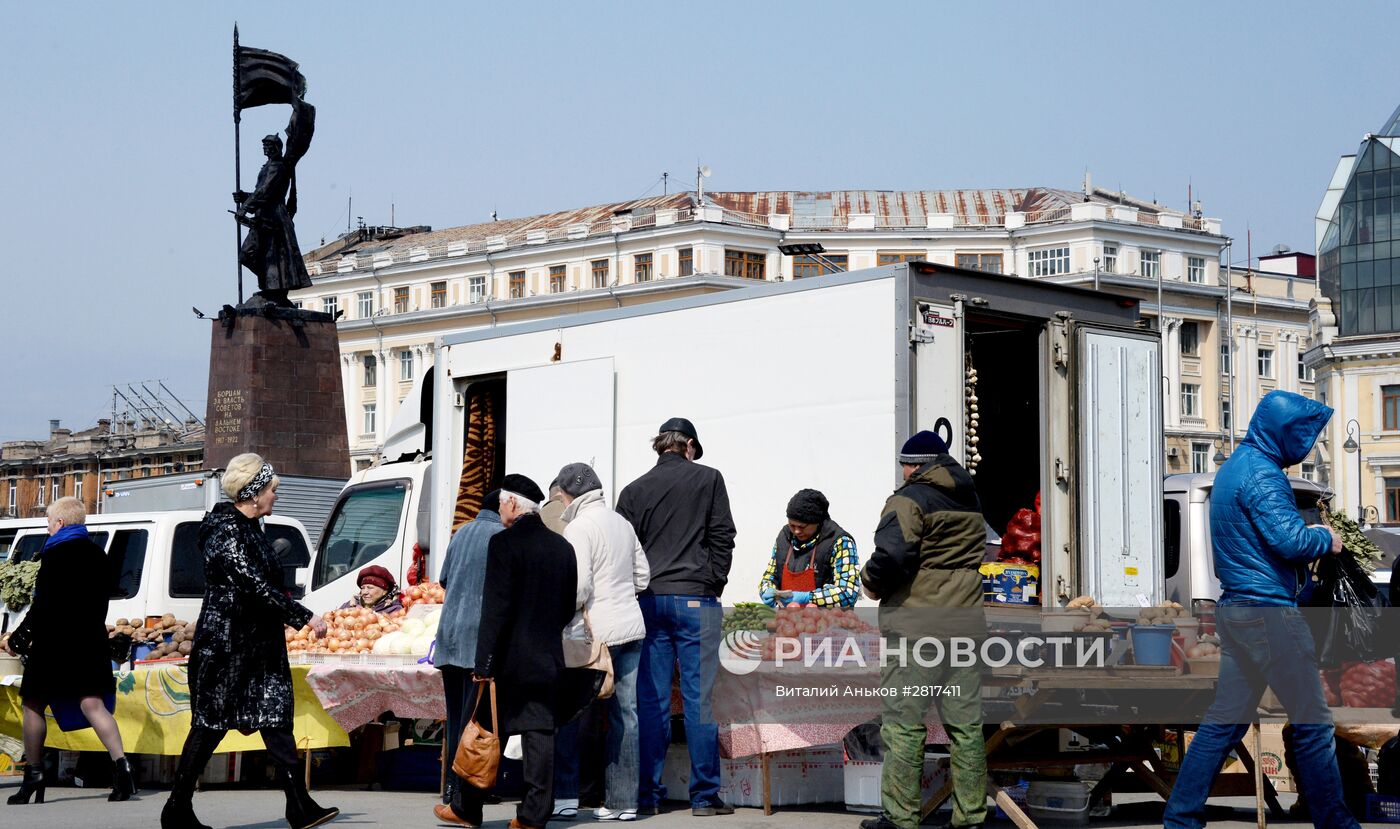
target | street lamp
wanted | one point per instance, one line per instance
(1220, 456)
(1353, 445)
(812, 249)
(1096, 273)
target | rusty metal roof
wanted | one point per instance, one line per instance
(815, 210)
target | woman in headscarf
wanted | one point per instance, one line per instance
(814, 561)
(64, 641)
(239, 676)
(377, 591)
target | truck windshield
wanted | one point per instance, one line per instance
(365, 523)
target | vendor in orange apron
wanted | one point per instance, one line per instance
(814, 561)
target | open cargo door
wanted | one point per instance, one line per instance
(1120, 466)
(940, 380)
(559, 414)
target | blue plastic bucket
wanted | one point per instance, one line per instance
(1152, 644)
(142, 651)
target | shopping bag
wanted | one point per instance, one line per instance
(1350, 629)
(479, 751)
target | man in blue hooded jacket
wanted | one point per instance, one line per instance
(1262, 547)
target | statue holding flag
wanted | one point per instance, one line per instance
(270, 249)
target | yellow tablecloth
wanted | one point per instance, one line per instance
(153, 713)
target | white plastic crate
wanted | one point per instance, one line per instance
(862, 781)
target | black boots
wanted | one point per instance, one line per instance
(33, 785)
(123, 781)
(302, 811)
(179, 811)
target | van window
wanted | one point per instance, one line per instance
(100, 539)
(186, 562)
(6, 537)
(296, 555)
(1171, 536)
(28, 546)
(365, 523)
(127, 558)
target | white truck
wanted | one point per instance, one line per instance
(811, 383)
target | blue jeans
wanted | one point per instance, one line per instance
(1263, 646)
(684, 629)
(622, 770)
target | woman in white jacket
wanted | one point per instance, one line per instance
(612, 570)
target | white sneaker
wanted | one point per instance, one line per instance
(604, 813)
(565, 809)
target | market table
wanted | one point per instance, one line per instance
(153, 715)
(354, 695)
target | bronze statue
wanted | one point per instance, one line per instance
(270, 249)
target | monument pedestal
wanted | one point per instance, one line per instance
(275, 389)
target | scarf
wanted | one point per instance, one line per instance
(68, 533)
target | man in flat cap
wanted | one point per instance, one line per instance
(680, 511)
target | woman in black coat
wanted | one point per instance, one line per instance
(64, 641)
(239, 676)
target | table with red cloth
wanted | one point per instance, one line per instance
(354, 695)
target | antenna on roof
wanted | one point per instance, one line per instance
(702, 172)
(665, 177)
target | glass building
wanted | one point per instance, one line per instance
(1358, 252)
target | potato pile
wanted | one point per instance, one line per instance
(348, 630)
(1165, 613)
(181, 635)
(1096, 622)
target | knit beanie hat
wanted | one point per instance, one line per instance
(377, 576)
(808, 506)
(922, 448)
(521, 485)
(576, 479)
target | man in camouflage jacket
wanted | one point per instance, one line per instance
(929, 545)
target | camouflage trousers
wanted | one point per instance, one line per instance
(958, 694)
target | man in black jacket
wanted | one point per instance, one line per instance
(527, 600)
(680, 511)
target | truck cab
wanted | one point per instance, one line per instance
(155, 564)
(1188, 556)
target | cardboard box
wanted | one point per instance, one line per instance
(1271, 746)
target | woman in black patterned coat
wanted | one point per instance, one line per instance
(238, 671)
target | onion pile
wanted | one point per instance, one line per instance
(349, 630)
(430, 593)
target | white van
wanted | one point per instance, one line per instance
(155, 563)
(1189, 557)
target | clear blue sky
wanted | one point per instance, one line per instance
(118, 134)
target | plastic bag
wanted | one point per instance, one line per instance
(1351, 630)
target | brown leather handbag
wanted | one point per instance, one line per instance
(479, 751)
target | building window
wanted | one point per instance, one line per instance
(1308, 471)
(1190, 400)
(804, 266)
(1390, 408)
(641, 267)
(517, 284)
(556, 279)
(401, 300)
(14, 494)
(600, 273)
(1305, 374)
(1392, 499)
(1224, 356)
(297, 305)
(437, 297)
(1196, 269)
(476, 288)
(55, 490)
(371, 370)
(1110, 258)
(1048, 261)
(687, 262)
(330, 305)
(1200, 457)
(368, 425)
(1225, 415)
(1191, 339)
(78, 487)
(1152, 263)
(744, 263)
(406, 365)
(366, 303)
(1266, 363)
(891, 257)
(987, 262)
